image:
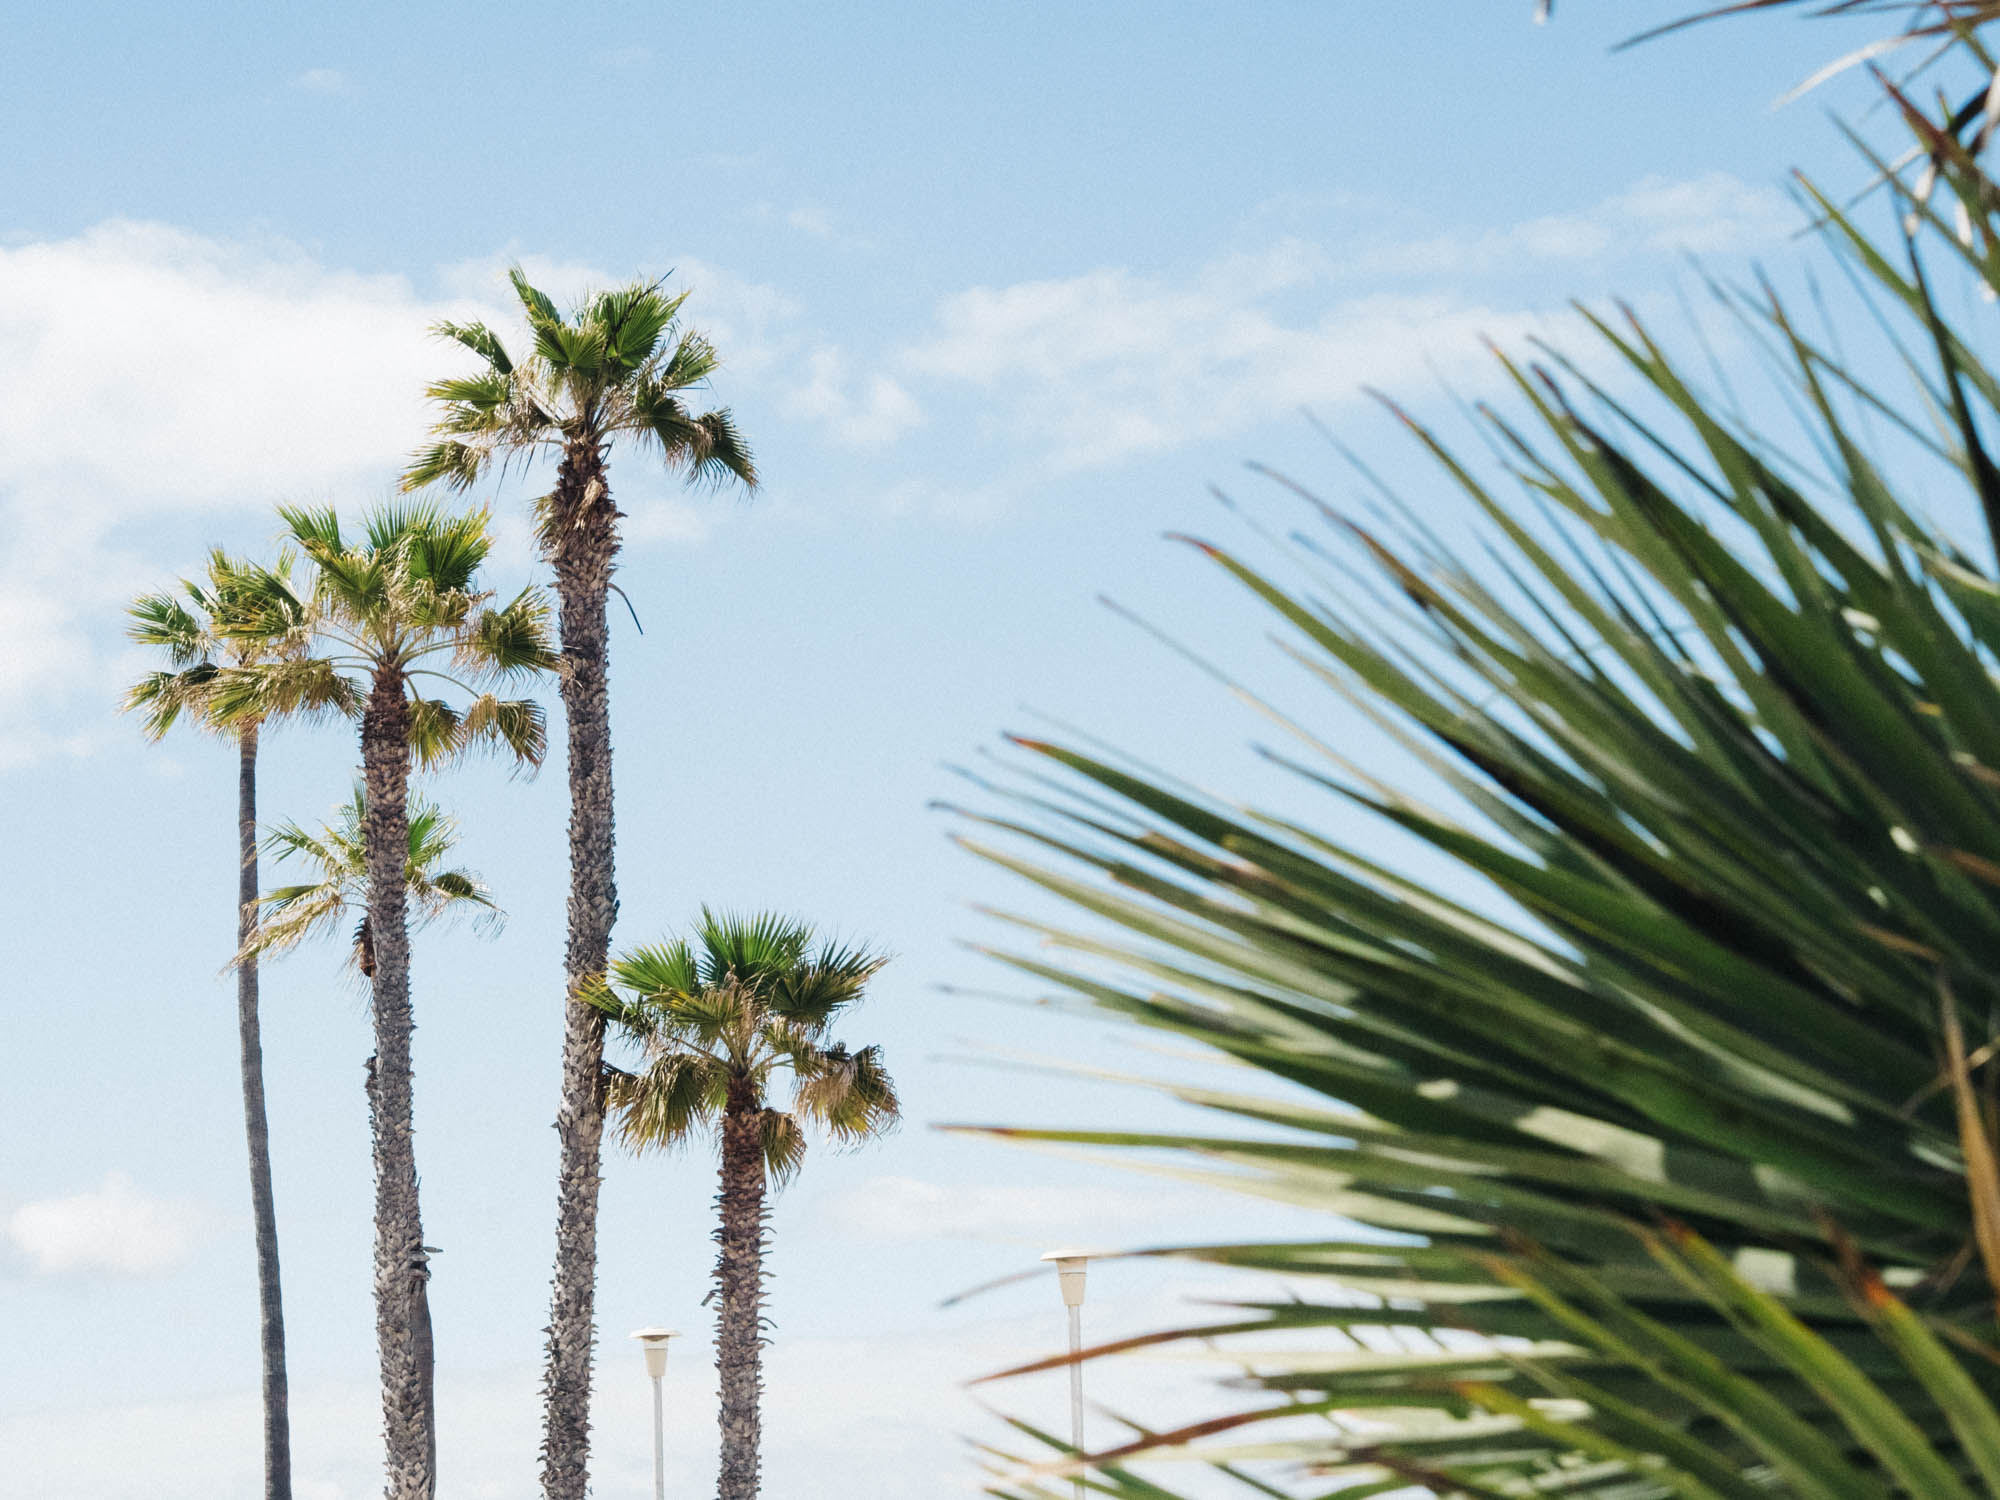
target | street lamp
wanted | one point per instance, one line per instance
(1071, 1266)
(654, 1342)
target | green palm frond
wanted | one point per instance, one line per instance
(1710, 739)
(390, 607)
(481, 340)
(512, 641)
(306, 687)
(658, 972)
(784, 1146)
(437, 732)
(336, 855)
(618, 365)
(747, 998)
(239, 613)
(513, 727)
(451, 462)
(676, 1098)
(753, 950)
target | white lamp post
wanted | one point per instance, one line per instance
(1071, 1266)
(654, 1342)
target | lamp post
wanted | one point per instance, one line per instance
(1071, 1266)
(654, 1342)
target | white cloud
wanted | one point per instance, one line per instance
(322, 81)
(1111, 364)
(1115, 363)
(856, 413)
(115, 1230)
(811, 221)
(146, 368)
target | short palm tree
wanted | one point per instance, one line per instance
(395, 610)
(618, 368)
(290, 914)
(717, 1019)
(337, 854)
(188, 628)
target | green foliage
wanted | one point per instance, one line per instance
(619, 366)
(198, 631)
(401, 603)
(338, 888)
(744, 1000)
(1643, 1116)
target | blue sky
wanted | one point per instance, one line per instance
(1000, 291)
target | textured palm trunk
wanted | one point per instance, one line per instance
(256, 1128)
(582, 553)
(401, 1308)
(739, 1284)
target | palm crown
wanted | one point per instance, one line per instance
(404, 599)
(193, 629)
(748, 998)
(619, 365)
(337, 854)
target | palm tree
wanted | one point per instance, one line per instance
(716, 1020)
(395, 609)
(188, 628)
(292, 913)
(619, 367)
(338, 854)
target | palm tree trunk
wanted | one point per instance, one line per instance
(256, 1127)
(582, 553)
(739, 1281)
(400, 1272)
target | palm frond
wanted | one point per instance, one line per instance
(783, 1145)
(513, 727)
(673, 1100)
(748, 996)
(336, 853)
(1712, 738)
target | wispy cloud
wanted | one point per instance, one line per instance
(322, 81)
(869, 411)
(1116, 363)
(111, 1230)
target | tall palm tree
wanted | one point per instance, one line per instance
(189, 628)
(396, 609)
(618, 368)
(716, 1021)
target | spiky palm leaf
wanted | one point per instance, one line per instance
(1718, 724)
(337, 893)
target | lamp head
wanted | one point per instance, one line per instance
(654, 1342)
(1070, 1269)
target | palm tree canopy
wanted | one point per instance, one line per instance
(403, 598)
(743, 1000)
(618, 365)
(192, 627)
(336, 855)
